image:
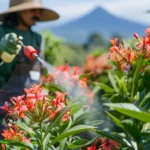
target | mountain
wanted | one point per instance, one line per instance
(97, 21)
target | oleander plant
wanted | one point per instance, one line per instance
(61, 113)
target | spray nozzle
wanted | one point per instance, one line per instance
(30, 52)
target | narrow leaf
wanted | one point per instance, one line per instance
(130, 110)
(17, 143)
(72, 131)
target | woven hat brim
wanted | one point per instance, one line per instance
(47, 14)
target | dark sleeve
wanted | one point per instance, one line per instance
(2, 33)
(2, 78)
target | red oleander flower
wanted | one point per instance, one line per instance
(144, 43)
(90, 64)
(36, 105)
(59, 101)
(136, 36)
(34, 89)
(69, 78)
(3, 147)
(19, 107)
(66, 116)
(83, 83)
(6, 108)
(93, 147)
(114, 48)
(108, 144)
(125, 56)
(13, 133)
(114, 41)
(52, 114)
(46, 79)
(58, 104)
(96, 64)
(103, 144)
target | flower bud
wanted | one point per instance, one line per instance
(136, 36)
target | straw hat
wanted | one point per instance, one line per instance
(19, 5)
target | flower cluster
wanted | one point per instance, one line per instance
(103, 144)
(58, 104)
(96, 64)
(36, 105)
(125, 56)
(13, 133)
(69, 79)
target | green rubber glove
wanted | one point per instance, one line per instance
(10, 43)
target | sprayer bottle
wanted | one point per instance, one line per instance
(7, 57)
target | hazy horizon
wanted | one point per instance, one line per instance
(132, 10)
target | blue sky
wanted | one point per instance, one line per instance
(72, 9)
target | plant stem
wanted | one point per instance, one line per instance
(42, 140)
(136, 76)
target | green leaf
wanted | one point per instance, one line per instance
(85, 75)
(145, 133)
(46, 140)
(136, 75)
(78, 144)
(105, 87)
(118, 81)
(24, 127)
(52, 87)
(117, 98)
(128, 126)
(136, 97)
(38, 137)
(95, 122)
(131, 111)
(147, 97)
(113, 81)
(56, 120)
(146, 126)
(17, 143)
(82, 143)
(71, 132)
(127, 148)
(95, 90)
(115, 120)
(124, 88)
(76, 107)
(83, 115)
(131, 128)
(112, 136)
(66, 125)
(122, 85)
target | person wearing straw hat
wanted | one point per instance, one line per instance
(17, 21)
